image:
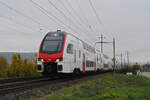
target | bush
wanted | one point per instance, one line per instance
(132, 69)
(19, 67)
(3, 67)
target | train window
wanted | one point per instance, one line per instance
(106, 57)
(90, 64)
(106, 65)
(52, 43)
(88, 48)
(70, 49)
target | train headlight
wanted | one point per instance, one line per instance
(57, 60)
(39, 59)
(42, 60)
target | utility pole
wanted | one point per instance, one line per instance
(114, 48)
(101, 41)
(121, 61)
(125, 61)
(114, 53)
(128, 58)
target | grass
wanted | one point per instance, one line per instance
(110, 87)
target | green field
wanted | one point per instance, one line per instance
(110, 87)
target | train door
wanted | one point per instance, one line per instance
(69, 60)
(78, 55)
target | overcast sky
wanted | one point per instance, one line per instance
(23, 24)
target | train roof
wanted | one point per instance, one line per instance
(58, 31)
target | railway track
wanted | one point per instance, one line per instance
(17, 86)
(21, 84)
(8, 80)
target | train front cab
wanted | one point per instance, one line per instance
(50, 57)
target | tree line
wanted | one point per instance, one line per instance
(19, 67)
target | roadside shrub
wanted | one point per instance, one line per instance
(3, 67)
(132, 69)
(19, 67)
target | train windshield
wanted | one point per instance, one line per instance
(52, 43)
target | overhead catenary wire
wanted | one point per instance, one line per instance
(67, 18)
(45, 12)
(18, 31)
(28, 17)
(85, 18)
(22, 14)
(76, 14)
(97, 17)
(7, 24)
(48, 14)
(75, 18)
(61, 12)
(73, 10)
(53, 18)
(70, 13)
(19, 23)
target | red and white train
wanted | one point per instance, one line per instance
(61, 52)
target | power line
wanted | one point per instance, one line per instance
(28, 17)
(76, 19)
(69, 4)
(97, 16)
(19, 23)
(85, 18)
(128, 58)
(47, 13)
(17, 30)
(77, 15)
(51, 3)
(20, 13)
(61, 12)
(80, 18)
